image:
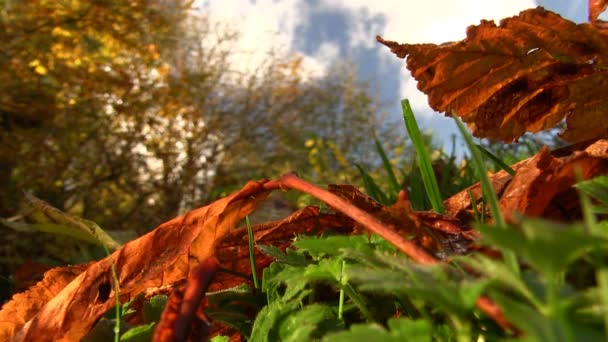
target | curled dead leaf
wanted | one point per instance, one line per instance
(541, 187)
(16, 313)
(596, 7)
(526, 74)
(180, 320)
(165, 255)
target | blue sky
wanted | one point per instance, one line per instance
(323, 31)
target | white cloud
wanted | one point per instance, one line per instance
(271, 24)
(416, 97)
(428, 21)
(264, 26)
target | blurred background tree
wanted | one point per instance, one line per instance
(129, 113)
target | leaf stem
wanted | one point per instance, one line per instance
(412, 250)
(291, 181)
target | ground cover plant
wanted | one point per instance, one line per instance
(461, 254)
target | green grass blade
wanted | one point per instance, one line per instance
(484, 209)
(254, 274)
(596, 188)
(446, 174)
(418, 198)
(496, 160)
(341, 300)
(488, 191)
(602, 281)
(423, 158)
(371, 188)
(476, 214)
(392, 179)
(489, 196)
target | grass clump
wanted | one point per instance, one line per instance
(358, 288)
(549, 280)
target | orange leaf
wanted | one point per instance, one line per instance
(526, 74)
(163, 256)
(542, 185)
(180, 320)
(24, 306)
(596, 7)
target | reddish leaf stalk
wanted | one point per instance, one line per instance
(419, 255)
(178, 327)
(493, 311)
(413, 251)
(596, 7)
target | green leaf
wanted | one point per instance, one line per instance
(267, 322)
(362, 332)
(476, 214)
(332, 245)
(496, 160)
(254, 273)
(141, 333)
(309, 323)
(431, 284)
(398, 330)
(397, 276)
(499, 272)
(295, 281)
(125, 309)
(153, 308)
(371, 188)
(547, 246)
(290, 257)
(76, 225)
(596, 188)
(220, 338)
(300, 282)
(539, 327)
(230, 306)
(602, 280)
(326, 270)
(392, 179)
(418, 330)
(52, 228)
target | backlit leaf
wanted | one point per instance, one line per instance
(524, 75)
(161, 257)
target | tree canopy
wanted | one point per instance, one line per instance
(128, 113)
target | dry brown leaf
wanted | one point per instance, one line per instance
(596, 7)
(541, 187)
(163, 256)
(28, 275)
(233, 253)
(181, 320)
(440, 234)
(24, 306)
(526, 74)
